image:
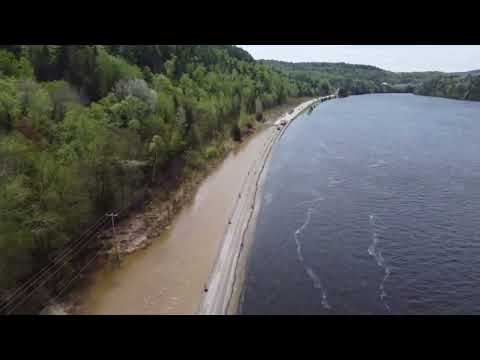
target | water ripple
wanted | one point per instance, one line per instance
(377, 255)
(317, 283)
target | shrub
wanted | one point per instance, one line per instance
(194, 160)
(10, 66)
(211, 152)
(137, 88)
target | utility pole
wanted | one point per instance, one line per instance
(115, 244)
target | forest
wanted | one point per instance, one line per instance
(86, 129)
(354, 79)
(349, 78)
(461, 87)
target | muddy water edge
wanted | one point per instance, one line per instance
(168, 277)
(238, 291)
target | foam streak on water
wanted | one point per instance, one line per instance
(324, 147)
(317, 283)
(310, 201)
(332, 181)
(377, 255)
(379, 163)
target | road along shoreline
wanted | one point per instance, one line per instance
(222, 293)
(169, 276)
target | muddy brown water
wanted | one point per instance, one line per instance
(169, 276)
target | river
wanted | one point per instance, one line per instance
(371, 205)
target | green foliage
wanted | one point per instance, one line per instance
(211, 152)
(245, 121)
(84, 130)
(170, 67)
(12, 66)
(128, 109)
(9, 104)
(452, 86)
(194, 159)
(325, 78)
(111, 69)
(40, 110)
(62, 96)
(362, 79)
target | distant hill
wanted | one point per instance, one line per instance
(332, 69)
(354, 78)
(360, 72)
(361, 79)
(464, 86)
(465, 73)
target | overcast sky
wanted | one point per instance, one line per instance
(448, 58)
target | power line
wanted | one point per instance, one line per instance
(60, 260)
(57, 258)
(67, 252)
(77, 275)
(45, 279)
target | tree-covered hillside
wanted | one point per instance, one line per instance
(86, 128)
(351, 79)
(361, 79)
(462, 87)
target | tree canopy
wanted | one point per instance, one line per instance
(87, 128)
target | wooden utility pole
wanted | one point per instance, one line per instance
(115, 243)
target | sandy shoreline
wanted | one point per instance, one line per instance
(170, 275)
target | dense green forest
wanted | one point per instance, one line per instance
(87, 128)
(462, 87)
(363, 79)
(351, 79)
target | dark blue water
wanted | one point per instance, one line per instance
(371, 206)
